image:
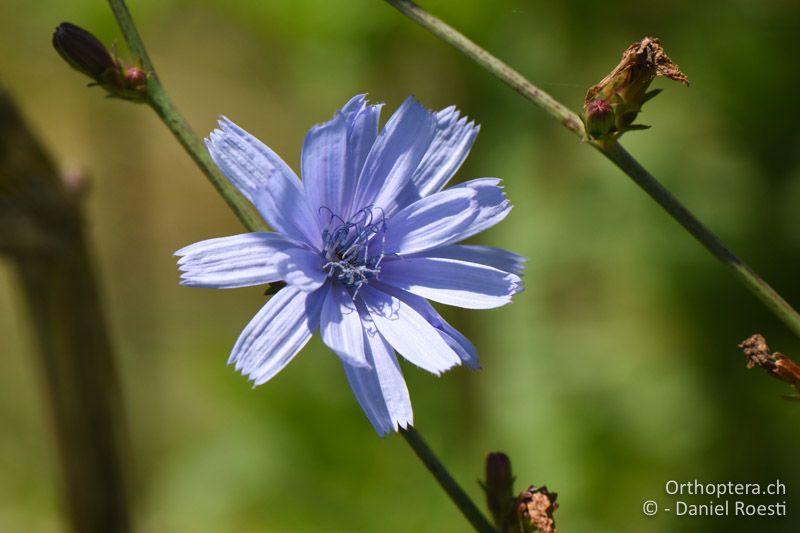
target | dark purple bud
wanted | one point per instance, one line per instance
(499, 487)
(498, 471)
(83, 51)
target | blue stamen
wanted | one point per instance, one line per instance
(349, 248)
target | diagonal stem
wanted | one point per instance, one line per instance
(169, 114)
(448, 484)
(161, 104)
(613, 151)
(746, 275)
(482, 57)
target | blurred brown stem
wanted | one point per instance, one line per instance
(42, 234)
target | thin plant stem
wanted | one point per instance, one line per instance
(614, 152)
(746, 275)
(501, 70)
(446, 481)
(161, 103)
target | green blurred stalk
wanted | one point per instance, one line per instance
(42, 233)
(161, 103)
(613, 151)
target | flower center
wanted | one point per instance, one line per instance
(353, 250)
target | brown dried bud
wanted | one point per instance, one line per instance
(776, 364)
(625, 87)
(535, 510)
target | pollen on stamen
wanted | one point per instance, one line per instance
(353, 249)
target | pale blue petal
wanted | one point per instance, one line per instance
(362, 131)
(276, 334)
(484, 255)
(450, 146)
(408, 332)
(451, 282)
(433, 221)
(395, 156)
(323, 167)
(381, 390)
(236, 261)
(458, 342)
(493, 206)
(340, 326)
(265, 180)
(333, 158)
(302, 269)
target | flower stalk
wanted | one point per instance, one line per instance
(158, 99)
(448, 484)
(614, 152)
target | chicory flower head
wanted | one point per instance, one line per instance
(361, 242)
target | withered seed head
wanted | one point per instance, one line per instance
(535, 510)
(776, 364)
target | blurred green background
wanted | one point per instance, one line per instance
(615, 371)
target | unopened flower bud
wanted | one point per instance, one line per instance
(83, 51)
(599, 118)
(499, 487)
(135, 78)
(86, 54)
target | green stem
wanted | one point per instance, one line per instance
(160, 102)
(446, 481)
(760, 288)
(517, 81)
(613, 151)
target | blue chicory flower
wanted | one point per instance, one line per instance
(361, 242)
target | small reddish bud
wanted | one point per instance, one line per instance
(599, 118)
(136, 79)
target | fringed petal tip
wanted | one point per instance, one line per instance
(517, 286)
(398, 425)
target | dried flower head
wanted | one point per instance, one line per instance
(535, 511)
(776, 364)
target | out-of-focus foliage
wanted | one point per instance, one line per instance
(615, 371)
